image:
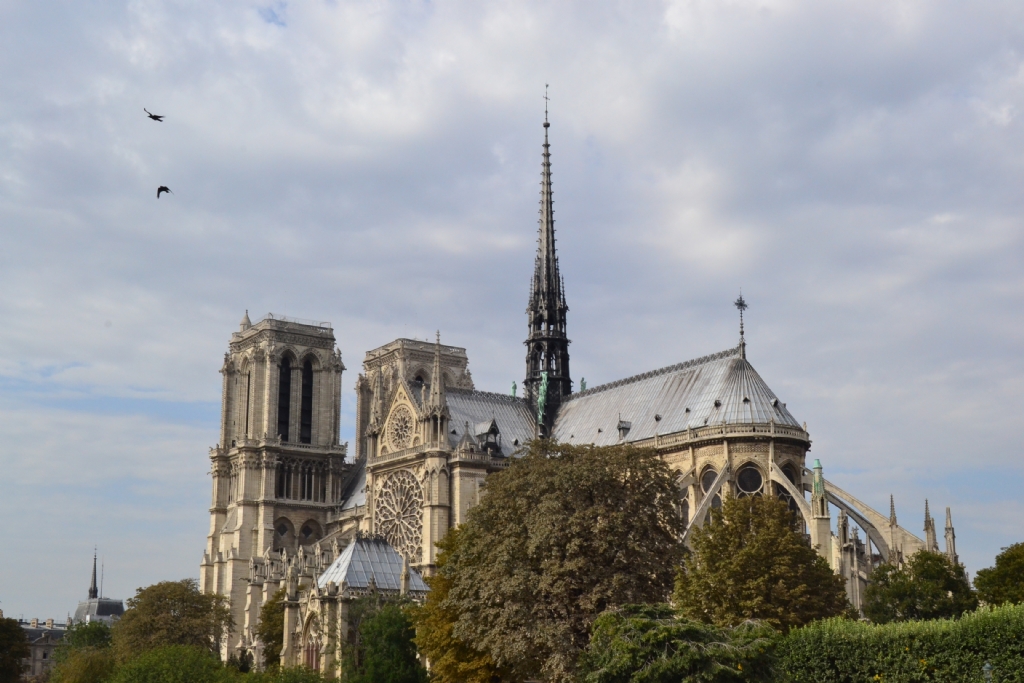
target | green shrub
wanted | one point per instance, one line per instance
(841, 651)
(174, 664)
(83, 664)
(299, 674)
(652, 644)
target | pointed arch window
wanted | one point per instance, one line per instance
(306, 414)
(284, 397)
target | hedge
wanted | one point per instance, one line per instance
(842, 651)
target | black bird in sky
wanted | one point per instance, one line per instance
(155, 117)
(162, 188)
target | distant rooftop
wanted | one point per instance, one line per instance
(289, 319)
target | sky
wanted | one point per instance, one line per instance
(856, 168)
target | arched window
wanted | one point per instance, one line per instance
(284, 397)
(248, 388)
(306, 415)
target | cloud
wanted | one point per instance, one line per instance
(854, 167)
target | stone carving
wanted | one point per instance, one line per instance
(398, 513)
(400, 428)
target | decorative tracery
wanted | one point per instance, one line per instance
(398, 513)
(400, 428)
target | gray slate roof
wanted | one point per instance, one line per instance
(684, 395)
(512, 415)
(367, 557)
(98, 607)
(355, 494)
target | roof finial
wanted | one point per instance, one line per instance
(546, 100)
(93, 591)
(741, 305)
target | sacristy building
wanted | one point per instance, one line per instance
(288, 496)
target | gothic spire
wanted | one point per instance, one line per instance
(892, 510)
(437, 397)
(741, 306)
(930, 541)
(547, 346)
(951, 539)
(93, 590)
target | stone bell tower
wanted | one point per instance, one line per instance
(279, 467)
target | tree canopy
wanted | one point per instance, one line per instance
(13, 648)
(451, 660)
(1004, 582)
(84, 654)
(385, 652)
(927, 586)
(563, 534)
(171, 613)
(270, 628)
(750, 562)
(652, 644)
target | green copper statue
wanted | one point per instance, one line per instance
(542, 398)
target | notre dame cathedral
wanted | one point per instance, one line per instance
(291, 501)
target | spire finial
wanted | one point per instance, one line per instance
(546, 100)
(892, 510)
(93, 590)
(741, 306)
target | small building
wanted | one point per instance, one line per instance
(316, 621)
(96, 608)
(43, 638)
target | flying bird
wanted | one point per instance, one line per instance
(155, 117)
(162, 188)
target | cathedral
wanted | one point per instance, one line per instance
(292, 504)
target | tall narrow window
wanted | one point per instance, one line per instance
(248, 386)
(284, 398)
(306, 422)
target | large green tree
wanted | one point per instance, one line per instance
(270, 628)
(174, 664)
(13, 648)
(1004, 582)
(451, 660)
(563, 534)
(651, 644)
(750, 562)
(84, 654)
(385, 651)
(171, 613)
(927, 586)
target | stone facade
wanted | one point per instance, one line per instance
(287, 503)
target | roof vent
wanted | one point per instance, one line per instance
(516, 442)
(718, 404)
(624, 428)
(657, 417)
(775, 403)
(746, 400)
(687, 410)
(599, 430)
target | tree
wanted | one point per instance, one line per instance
(651, 644)
(563, 534)
(84, 654)
(386, 652)
(927, 586)
(171, 613)
(13, 648)
(749, 562)
(1004, 582)
(451, 660)
(270, 628)
(174, 664)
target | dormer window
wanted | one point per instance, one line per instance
(624, 428)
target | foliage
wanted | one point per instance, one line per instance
(297, 674)
(651, 644)
(1005, 581)
(951, 651)
(13, 648)
(388, 653)
(84, 654)
(171, 613)
(749, 562)
(84, 664)
(91, 635)
(270, 628)
(927, 586)
(451, 660)
(173, 664)
(563, 534)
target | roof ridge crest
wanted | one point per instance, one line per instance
(735, 351)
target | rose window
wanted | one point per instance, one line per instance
(400, 428)
(398, 513)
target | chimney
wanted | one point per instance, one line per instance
(49, 623)
(34, 623)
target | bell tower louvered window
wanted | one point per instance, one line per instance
(306, 416)
(284, 398)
